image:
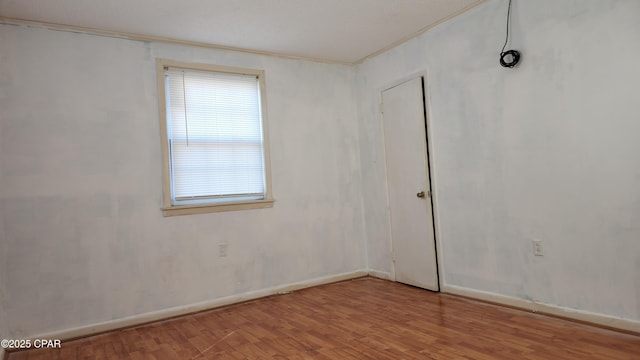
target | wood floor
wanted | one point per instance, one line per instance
(365, 318)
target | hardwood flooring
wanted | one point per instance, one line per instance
(365, 318)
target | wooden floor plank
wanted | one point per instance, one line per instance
(365, 318)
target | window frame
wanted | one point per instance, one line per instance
(169, 209)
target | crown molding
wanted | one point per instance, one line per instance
(158, 39)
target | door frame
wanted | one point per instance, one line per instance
(432, 173)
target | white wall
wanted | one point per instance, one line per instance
(549, 150)
(80, 184)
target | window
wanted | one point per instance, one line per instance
(215, 157)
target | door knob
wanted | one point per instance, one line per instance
(420, 194)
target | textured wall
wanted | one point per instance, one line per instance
(549, 150)
(80, 180)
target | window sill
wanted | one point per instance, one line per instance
(177, 210)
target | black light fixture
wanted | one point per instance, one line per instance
(509, 58)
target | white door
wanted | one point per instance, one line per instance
(410, 207)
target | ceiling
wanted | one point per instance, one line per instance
(344, 31)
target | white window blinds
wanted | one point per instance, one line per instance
(214, 130)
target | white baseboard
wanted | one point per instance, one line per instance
(529, 305)
(380, 274)
(88, 330)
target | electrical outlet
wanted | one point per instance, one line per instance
(222, 250)
(537, 248)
